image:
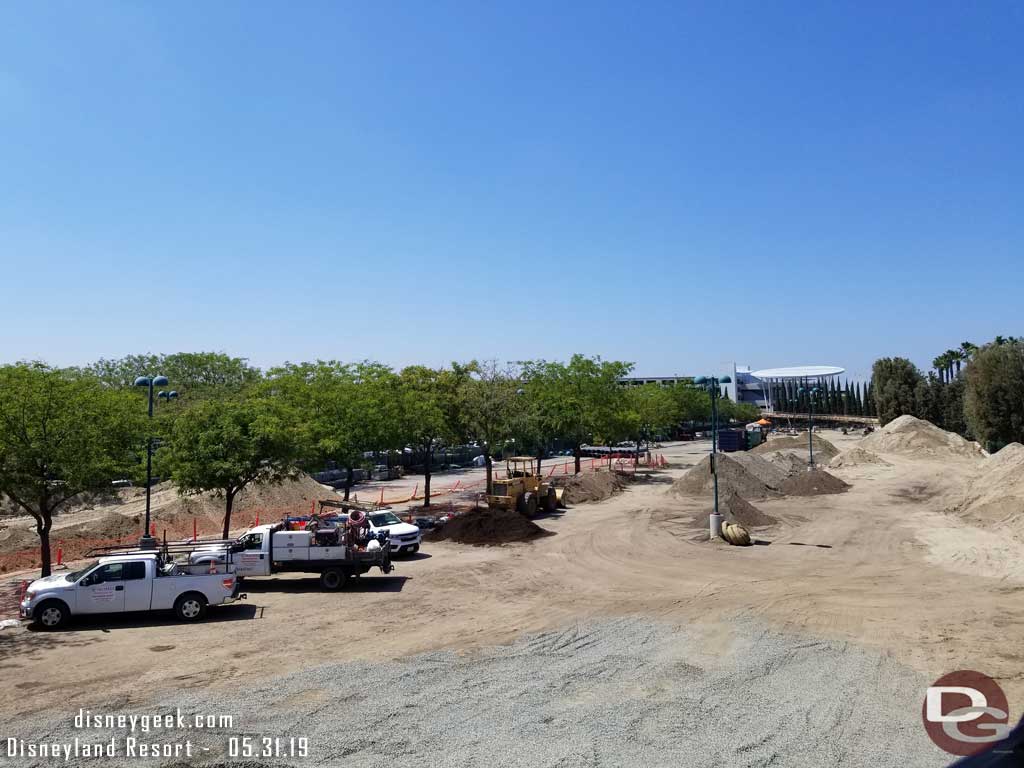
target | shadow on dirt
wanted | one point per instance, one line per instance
(370, 584)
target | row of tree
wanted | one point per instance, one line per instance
(975, 391)
(69, 432)
(847, 399)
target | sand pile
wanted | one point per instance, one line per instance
(734, 476)
(996, 495)
(789, 462)
(488, 526)
(913, 436)
(119, 519)
(1012, 454)
(813, 483)
(857, 456)
(593, 486)
(823, 449)
(736, 509)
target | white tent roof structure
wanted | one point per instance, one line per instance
(818, 373)
(799, 372)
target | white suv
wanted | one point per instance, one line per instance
(404, 537)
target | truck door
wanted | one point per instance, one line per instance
(138, 590)
(102, 590)
(254, 560)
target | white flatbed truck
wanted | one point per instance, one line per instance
(267, 550)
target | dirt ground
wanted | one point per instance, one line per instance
(885, 567)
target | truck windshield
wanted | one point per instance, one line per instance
(384, 518)
(76, 575)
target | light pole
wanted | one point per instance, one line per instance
(811, 394)
(713, 386)
(147, 541)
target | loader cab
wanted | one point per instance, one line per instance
(521, 466)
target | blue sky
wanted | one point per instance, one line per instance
(674, 184)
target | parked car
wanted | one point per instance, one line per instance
(405, 537)
(129, 582)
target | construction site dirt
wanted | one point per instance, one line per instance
(599, 644)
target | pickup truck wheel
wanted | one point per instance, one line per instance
(333, 579)
(52, 614)
(190, 607)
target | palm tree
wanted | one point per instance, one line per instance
(940, 363)
(999, 341)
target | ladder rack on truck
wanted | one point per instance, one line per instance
(213, 555)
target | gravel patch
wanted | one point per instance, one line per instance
(611, 693)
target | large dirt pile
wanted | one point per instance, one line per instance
(744, 477)
(488, 526)
(813, 483)
(996, 495)
(823, 449)
(736, 509)
(916, 437)
(789, 462)
(590, 486)
(856, 457)
(119, 519)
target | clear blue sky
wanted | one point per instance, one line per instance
(674, 184)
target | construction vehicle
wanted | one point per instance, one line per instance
(523, 489)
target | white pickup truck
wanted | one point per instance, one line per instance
(138, 581)
(269, 549)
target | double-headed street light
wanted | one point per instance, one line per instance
(713, 385)
(811, 395)
(147, 541)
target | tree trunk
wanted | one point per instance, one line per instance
(229, 502)
(540, 460)
(487, 465)
(428, 460)
(43, 529)
(576, 456)
(348, 481)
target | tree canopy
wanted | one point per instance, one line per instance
(62, 434)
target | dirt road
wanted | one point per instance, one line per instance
(869, 570)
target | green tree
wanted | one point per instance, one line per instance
(895, 381)
(651, 410)
(228, 444)
(62, 434)
(341, 411)
(489, 401)
(994, 394)
(194, 373)
(430, 412)
(582, 399)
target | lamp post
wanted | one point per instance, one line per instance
(713, 386)
(147, 541)
(811, 394)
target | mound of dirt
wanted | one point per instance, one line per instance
(590, 486)
(857, 456)
(813, 483)
(913, 436)
(789, 462)
(1007, 455)
(118, 519)
(996, 495)
(734, 476)
(823, 449)
(487, 527)
(736, 509)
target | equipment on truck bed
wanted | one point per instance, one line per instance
(523, 489)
